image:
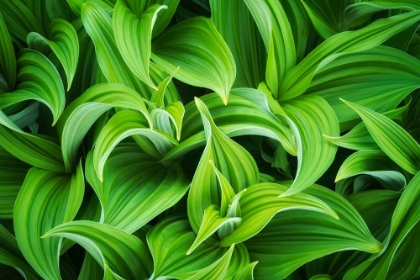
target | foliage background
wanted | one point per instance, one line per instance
(240, 139)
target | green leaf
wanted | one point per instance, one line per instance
(297, 80)
(37, 79)
(394, 141)
(296, 237)
(126, 26)
(204, 59)
(130, 171)
(404, 219)
(326, 16)
(122, 125)
(217, 270)
(30, 148)
(120, 252)
(233, 161)
(212, 221)
(310, 118)
(374, 163)
(7, 57)
(47, 199)
(247, 113)
(386, 76)
(11, 179)
(64, 42)
(281, 52)
(247, 273)
(261, 202)
(19, 20)
(10, 255)
(98, 25)
(235, 23)
(80, 115)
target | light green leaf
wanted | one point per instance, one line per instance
(37, 79)
(169, 241)
(122, 253)
(159, 94)
(64, 42)
(281, 52)
(374, 163)
(296, 237)
(404, 219)
(77, 5)
(47, 199)
(310, 118)
(217, 270)
(247, 273)
(297, 80)
(127, 26)
(394, 141)
(122, 125)
(233, 161)
(261, 202)
(176, 112)
(98, 25)
(80, 115)
(29, 148)
(246, 114)
(131, 171)
(10, 255)
(212, 221)
(7, 56)
(204, 59)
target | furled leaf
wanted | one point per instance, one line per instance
(261, 202)
(47, 199)
(123, 253)
(394, 141)
(212, 221)
(169, 241)
(246, 114)
(64, 42)
(311, 117)
(80, 115)
(122, 125)
(247, 273)
(130, 171)
(204, 59)
(37, 79)
(126, 26)
(98, 25)
(374, 163)
(233, 161)
(217, 270)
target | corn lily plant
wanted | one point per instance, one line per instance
(209, 139)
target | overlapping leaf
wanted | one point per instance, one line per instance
(115, 250)
(204, 59)
(63, 42)
(133, 181)
(47, 199)
(394, 141)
